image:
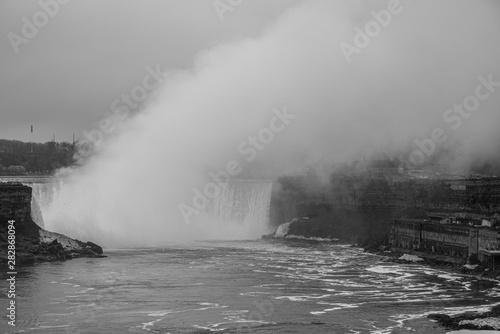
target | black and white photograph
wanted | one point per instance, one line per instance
(250, 166)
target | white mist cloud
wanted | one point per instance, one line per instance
(395, 91)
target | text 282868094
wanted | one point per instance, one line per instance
(11, 264)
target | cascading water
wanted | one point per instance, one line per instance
(241, 211)
(36, 213)
(245, 202)
(44, 192)
(42, 195)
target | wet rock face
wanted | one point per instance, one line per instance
(32, 242)
(15, 201)
(15, 204)
(362, 204)
(388, 194)
(54, 250)
(94, 248)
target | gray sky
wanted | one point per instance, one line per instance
(64, 79)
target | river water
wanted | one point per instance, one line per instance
(240, 287)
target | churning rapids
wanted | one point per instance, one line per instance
(241, 287)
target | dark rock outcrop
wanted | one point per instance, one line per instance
(15, 203)
(32, 243)
(476, 321)
(361, 204)
(94, 248)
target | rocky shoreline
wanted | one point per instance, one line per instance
(477, 270)
(48, 247)
(489, 320)
(33, 243)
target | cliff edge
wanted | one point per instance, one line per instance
(33, 243)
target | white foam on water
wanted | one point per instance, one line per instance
(254, 294)
(145, 325)
(161, 313)
(400, 319)
(468, 331)
(270, 285)
(303, 298)
(381, 269)
(338, 306)
(234, 312)
(450, 277)
(209, 306)
(494, 293)
(461, 309)
(215, 326)
(300, 237)
(211, 328)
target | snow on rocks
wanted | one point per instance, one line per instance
(282, 230)
(490, 322)
(471, 266)
(411, 258)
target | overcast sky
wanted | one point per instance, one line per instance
(64, 78)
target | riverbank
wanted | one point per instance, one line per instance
(482, 321)
(48, 247)
(480, 270)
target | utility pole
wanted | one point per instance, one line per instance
(31, 141)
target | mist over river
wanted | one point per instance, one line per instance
(240, 287)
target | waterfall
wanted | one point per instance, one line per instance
(44, 192)
(42, 195)
(36, 213)
(282, 230)
(245, 202)
(241, 211)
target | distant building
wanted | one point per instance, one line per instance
(488, 221)
(435, 218)
(459, 242)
